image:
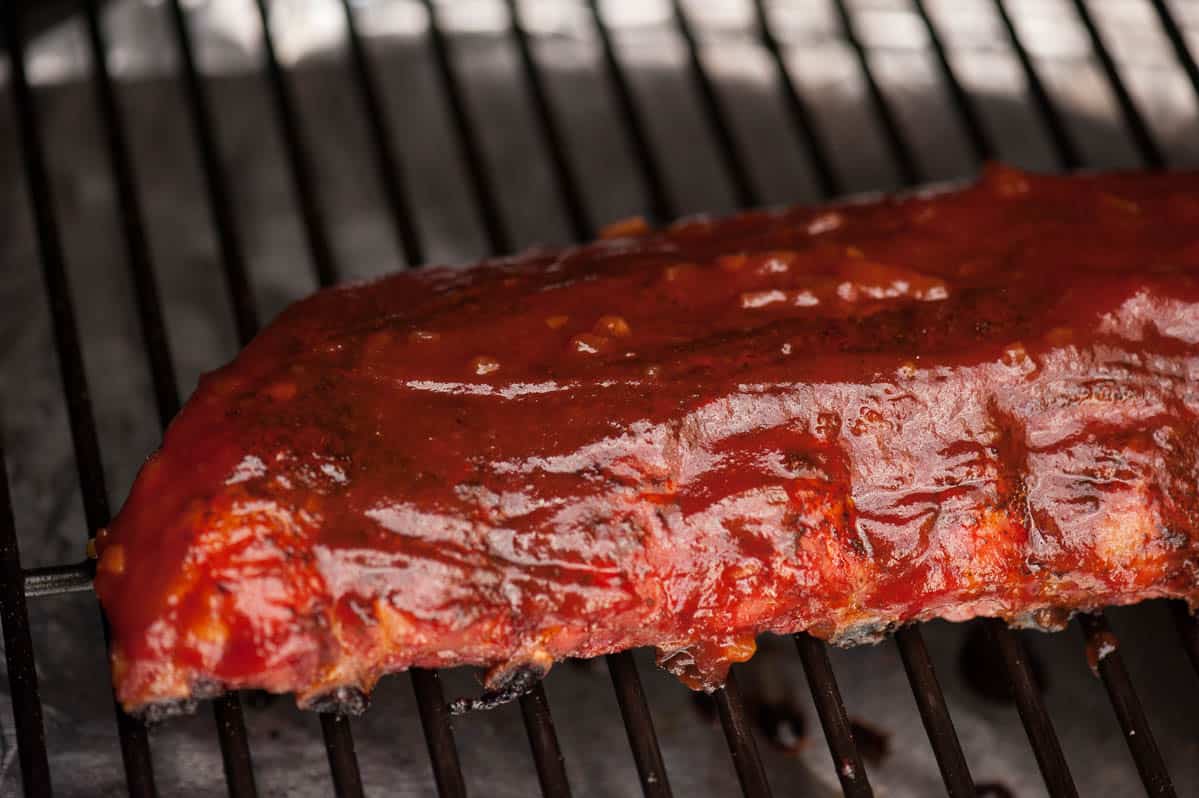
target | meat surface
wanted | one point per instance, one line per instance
(836, 419)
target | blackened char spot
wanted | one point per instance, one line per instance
(159, 711)
(344, 700)
(993, 789)
(201, 690)
(517, 684)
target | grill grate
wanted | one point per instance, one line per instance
(1032, 711)
(546, 751)
(226, 709)
(135, 748)
(18, 649)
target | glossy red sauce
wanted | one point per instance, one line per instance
(838, 419)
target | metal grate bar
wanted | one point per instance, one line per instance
(337, 736)
(802, 118)
(905, 158)
(745, 757)
(231, 730)
(391, 178)
(1103, 649)
(439, 734)
(564, 175)
(426, 684)
(133, 226)
(551, 765)
(1188, 630)
(1178, 41)
(66, 331)
(744, 192)
(833, 719)
(1137, 127)
(468, 144)
(1032, 711)
(1096, 632)
(745, 754)
(1063, 144)
(135, 752)
(335, 727)
(435, 719)
(343, 762)
(1146, 145)
(634, 709)
(535, 710)
(740, 737)
(901, 151)
(925, 688)
(934, 712)
(220, 207)
(235, 745)
(135, 747)
(635, 129)
(976, 132)
(18, 652)
(53, 580)
(299, 162)
(821, 679)
(1188, 624)
(639, 724)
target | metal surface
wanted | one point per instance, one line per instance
(1103, 647)
(547, 755)
(740, 737)
(18, 650)
(391, 176)
(822, 682)
(847, 760)
(1031, 706)
(135, 746)
(623, 670)
(230, 725)
(219, 204)
(539, 724)
(52, 580)
(729, 152)
(439, 734)
(934, 712)
(557, 114)
(339, 747)
(640, 726)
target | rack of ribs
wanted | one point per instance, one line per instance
(839, 419)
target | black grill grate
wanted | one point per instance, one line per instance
(18, 584)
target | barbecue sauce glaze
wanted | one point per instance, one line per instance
(837, 419)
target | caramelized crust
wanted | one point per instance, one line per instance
(835, 419)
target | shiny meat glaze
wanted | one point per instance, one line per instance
(836, 419)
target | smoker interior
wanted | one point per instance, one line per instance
(159, 204)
